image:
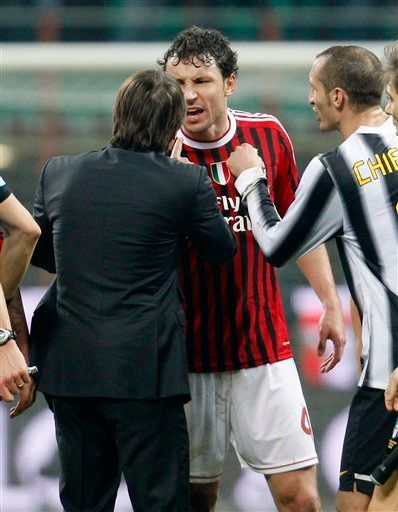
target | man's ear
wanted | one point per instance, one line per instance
(339, 98)
(230, 85)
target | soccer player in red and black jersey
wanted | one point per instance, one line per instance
(244, 383)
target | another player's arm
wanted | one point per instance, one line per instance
(13, 368)
(391, 393)
(20, 326)
(316, 267)
(22, 233)
(357, 328)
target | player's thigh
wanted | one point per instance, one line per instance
(208, 425)
(352, 501)
(270, 424)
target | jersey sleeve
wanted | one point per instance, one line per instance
(315, 216)
(208, 230)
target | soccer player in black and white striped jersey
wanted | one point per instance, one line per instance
(351, 194)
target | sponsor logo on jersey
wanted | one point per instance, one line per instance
(220, 173)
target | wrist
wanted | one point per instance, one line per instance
(6, 335)
(248, 180)
(331, 302)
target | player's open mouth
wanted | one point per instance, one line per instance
(193, 113)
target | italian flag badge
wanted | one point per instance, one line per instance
(220, 173)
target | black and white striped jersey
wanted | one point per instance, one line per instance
(351, 194)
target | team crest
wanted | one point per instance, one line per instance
(220, 173)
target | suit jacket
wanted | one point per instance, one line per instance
(113, 224)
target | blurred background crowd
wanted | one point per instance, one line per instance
(160, 20)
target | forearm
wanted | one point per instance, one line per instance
(14, 260)
(4, 316)
(357, 328)
(22, 234)
(311, 219)
(391, 393)
(13, 367)
(18, 321)
(316, 268)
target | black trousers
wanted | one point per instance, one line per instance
(101, 439)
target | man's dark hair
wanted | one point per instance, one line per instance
(391, 63)
(148, 111)
(356, 70)
(203, 44)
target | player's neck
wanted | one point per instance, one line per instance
(372, 117)
(213, 133)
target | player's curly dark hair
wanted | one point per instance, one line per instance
(204, 44)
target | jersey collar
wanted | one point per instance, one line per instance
(385, 128)
(212, 144)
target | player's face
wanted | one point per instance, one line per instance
(392, 105)
(206, 94)
(321, 101)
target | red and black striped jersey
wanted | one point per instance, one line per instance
(234, 312)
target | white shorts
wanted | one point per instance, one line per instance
(261, 411)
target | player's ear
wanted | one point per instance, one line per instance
(230, 85)
(339, 96)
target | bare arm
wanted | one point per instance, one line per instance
(316, 268)
(357, 327)
(13, 368)
(18, 322)
(16, 313)
(22, 233)
(391, 393)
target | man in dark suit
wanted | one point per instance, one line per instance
(114, 223)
